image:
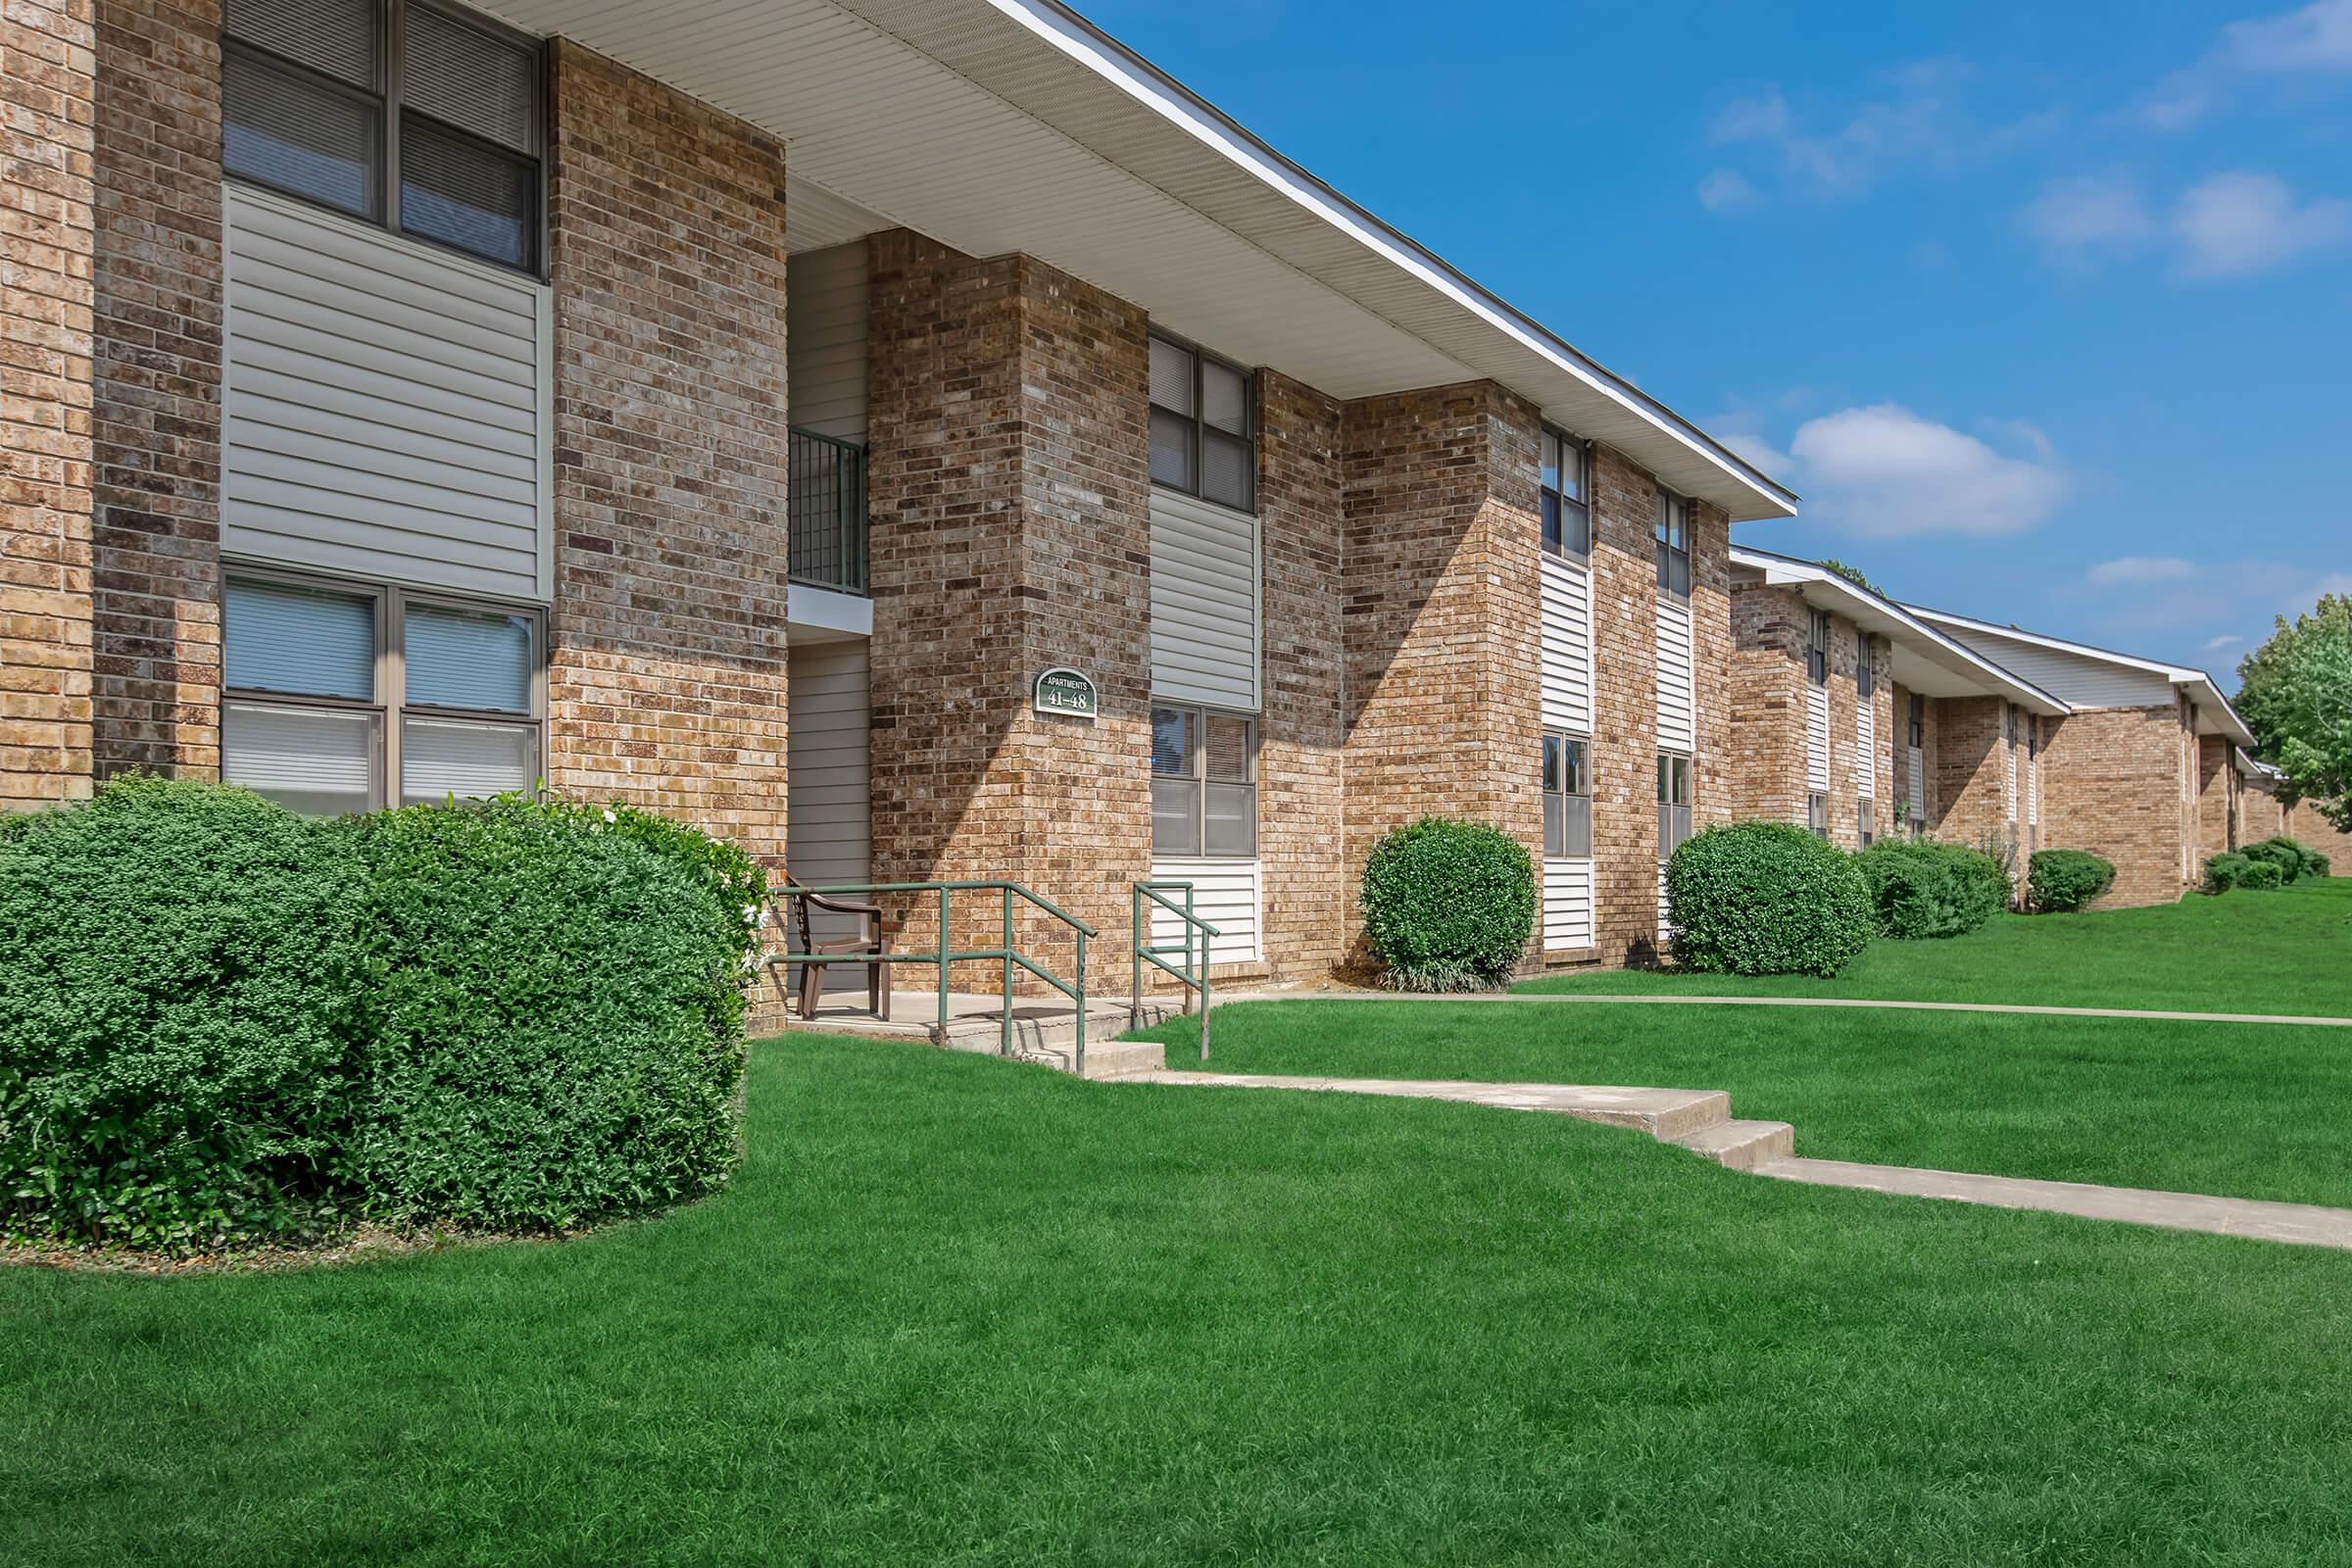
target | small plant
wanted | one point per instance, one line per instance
(1448, 906)
(1766, 897)
(2262, 876)
(2223, 873)
(2001, 850)
(2283, 852)
(2062, 881)
(1925, 890)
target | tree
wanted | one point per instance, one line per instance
(2295, 693)
(1853, 575)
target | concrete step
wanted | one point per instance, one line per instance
(1107, 1059)
(1666, 1114)
(1742, 1145)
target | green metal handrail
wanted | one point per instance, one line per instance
(1146, 952)
(1008, 955)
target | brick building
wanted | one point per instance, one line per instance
(651, 400)
(1853, 716)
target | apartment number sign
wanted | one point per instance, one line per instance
(1066, 692)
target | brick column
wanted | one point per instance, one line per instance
(1442, 621)
(1716, 784)
(2112, 784)
(1968, 770)
(1625, 710)
(1846, 763)
(47, 70)
(1887, 726)
(158, 369)
(1768, 696)
(1008, 432)
(2217, 797)
(667, 659)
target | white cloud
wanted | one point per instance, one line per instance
(2077, 219)
(2315, 40)
(2166, 593)
(1921, 119)
(1885, 472)
(1725, 192)
(2141, 569)
(2216, 645)
(2236, 223)
(1760, 451)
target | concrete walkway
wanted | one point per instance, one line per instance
(1700, 1120)
(1677, 1000)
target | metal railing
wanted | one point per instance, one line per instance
(1194, 976)
(1008, 955)
(827, 503)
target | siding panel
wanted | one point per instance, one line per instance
(828, 780)
(825, 323)
(1916, 784)
(1677, 700)
(1567, 904)
(2076, 679)
(1567, 675)
(1817, 739)
(1226, 894)
(387, 406)
(1204, 603)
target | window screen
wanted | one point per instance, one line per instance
(305, 641)
(1203, 782)
(470, 658)
(1672, 532)
(1674, 803)
(1567, 798)
(444, 758)
(334, 38)
(300, 135)
(467, 194)
(1566, 515)
(1203, 426)
(321, 761)
(470, 77)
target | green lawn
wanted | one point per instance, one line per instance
(2246, 1110)
(962, 1312)
(2285, 951)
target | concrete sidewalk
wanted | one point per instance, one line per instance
(1222, 1000)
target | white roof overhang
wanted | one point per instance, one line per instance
(998, 125)
(2215, 715)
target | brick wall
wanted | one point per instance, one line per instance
(1714, 775)
(1625, 710)
(1302, 804)
(1886, 730)
(1441, 623)
(2305, 823)
(1968, 770)
(2112, 785)
(667, 658)
(2260, 816)
(2219, 804)
(1767, 782)
(1847, 766)
(47, 243)
(1010, 487)
(159, 286)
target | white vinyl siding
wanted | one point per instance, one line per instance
(1917, 784)
(1205, 575)
(1225, 894)
(389, 405)
(1665, 914)
(2032, 793)
(1567, 904)
(1677, 700)
(2076, 679)
(1567, 648)
(825, 317)
(2009, 784)
(828, 781)
(1817, 739)
(1866, 736)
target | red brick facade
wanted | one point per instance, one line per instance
(1625, 711)
(2118, 786)
(47, 241)
(666, 661)
(1772, 638)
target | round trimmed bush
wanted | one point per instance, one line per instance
(2062, 881)
(2283, 852)
(2222, 871)
(2262, 876)
(1766, 897)
(1448, 906)
(1923, 890)
(169, 995)
(550, 1029)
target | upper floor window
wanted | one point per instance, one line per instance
(1674, 803)
(1673, 530)
(1567, 798)
(1863, 674)
(417, 116)
(1203, 426)
(1567, 510)
(1817, 646)
(1919, 720)
(1203, 782)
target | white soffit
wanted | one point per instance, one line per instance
(997, 125)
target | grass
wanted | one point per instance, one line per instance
(2241, 1111)
(959, 1311)
(2288, 951)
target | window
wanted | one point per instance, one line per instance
(1862, 669)
(1919, 720)
(1204, 783)
(339, 698)
(1817, 813)
(1203, 423)
(1673, 531)
(407, 113)
(1567, 798)
(1674, 803)
(1567, 514)
(1866, 813)
(1817, 646)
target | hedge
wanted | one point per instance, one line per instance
(2283, 852)
(221, 1023)
(1766, 897)
(1925, 890)
(2261, 876)
(2062, 881)
(1448, 906)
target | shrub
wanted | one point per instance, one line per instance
(550, 1029)
(2262, 876)
(1766, 897)
(170, 993)
(1923, 888)
(2223, 871)
(1448, 906)
(2283, 852)
(2061, 881)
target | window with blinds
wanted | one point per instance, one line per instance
(1204, 783)
(419, 116)
(1203, 426)
(339, 697)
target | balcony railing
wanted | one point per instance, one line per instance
(828, 512)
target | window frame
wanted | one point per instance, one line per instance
(389, 101)
(1817, 813)
(1201, 357)
(1917, 722)
(1865, 676)
(1817, 646)
(1674, 831)
(1673, 521)
(1561, 499)
(390, 603)
(1197, 775)
(1583, 771)
(1866, 811)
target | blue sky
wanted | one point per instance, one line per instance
(2045, 310)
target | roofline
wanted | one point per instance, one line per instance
(1115, 61)
(2178, 674)
(1815, 572)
